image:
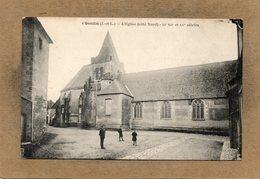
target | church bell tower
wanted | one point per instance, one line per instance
(106, 66)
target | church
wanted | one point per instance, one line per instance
(189, 98)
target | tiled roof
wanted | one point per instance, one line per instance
(199, 81)
(116, 87)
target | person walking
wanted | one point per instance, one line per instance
(134, 138)
(120, 132)
(102, 134)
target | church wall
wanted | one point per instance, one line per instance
(110, 121)
(126, 111)
(181, 115)
(110, 67)
(74, 104)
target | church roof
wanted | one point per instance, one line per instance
(79, 79)
(107, 50)
(189, 82)
(116, 87)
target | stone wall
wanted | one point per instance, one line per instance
(26, 120)
(126, 111)
(34, 80)
(215, 115)
(27, 60)
(115, 119)
(74, 104)
(40, 61)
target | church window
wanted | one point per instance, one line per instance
(97, 73)
(166, 110)
(197, 110)
(108, 106)
(138, 110)
(40, 43)
(101, 71)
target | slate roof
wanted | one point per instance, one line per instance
(189, 82)
(79, 79)
(116, 87)
(107, 50)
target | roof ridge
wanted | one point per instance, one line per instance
(179, 67)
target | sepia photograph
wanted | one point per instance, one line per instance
(131, 88)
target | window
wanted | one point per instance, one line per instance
(138, 110)
(110, 58)
(40, 43)
(108, 106)
(79, 110)
(166, 110)
(97, 73)
(197, 110)
(101, 71)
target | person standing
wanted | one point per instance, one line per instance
(134, 138)
(102, 134)
(120, 132)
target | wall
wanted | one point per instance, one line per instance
(215, 113)
(26, 123)
(109, 67)
(126, 111)
(39, 82)
(74, 104)
(27, 59)
(26, 81)
(115, 119)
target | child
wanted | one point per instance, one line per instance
(120, 132)
(134, 139)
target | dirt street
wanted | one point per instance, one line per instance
(75, 143)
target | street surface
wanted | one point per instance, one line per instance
(75, 143)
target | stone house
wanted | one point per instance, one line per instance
(34, 79)
(190, 98)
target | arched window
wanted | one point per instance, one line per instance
(197, 110)
(166, 110)
(138, 110)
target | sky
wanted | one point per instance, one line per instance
(141, 44)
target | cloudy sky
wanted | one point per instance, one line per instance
(141, 44)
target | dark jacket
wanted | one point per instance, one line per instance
(134, 134)
(102, 133)
(120, 132)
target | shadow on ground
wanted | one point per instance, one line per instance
(44, 141)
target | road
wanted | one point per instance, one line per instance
(75, 143)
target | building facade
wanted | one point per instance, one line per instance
(34, 79)
(190, 98)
